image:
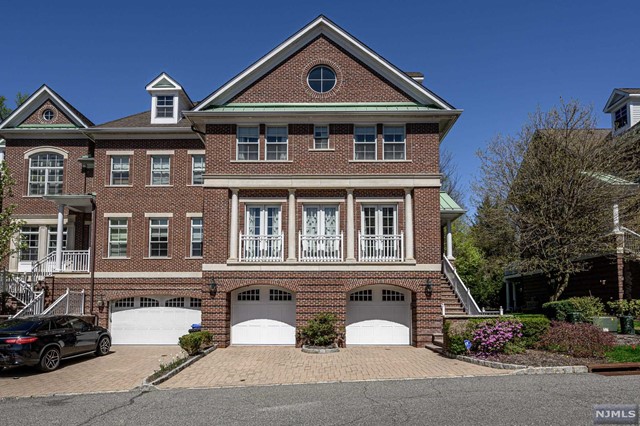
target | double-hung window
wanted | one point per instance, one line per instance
(364, 140)
(321, 137)
(29, 237)
(160, 169)
(120, 170)
(118, 236)
(248, 143)
(164, 107)
(621, 118)
(276, 143)
(46, 174)
(52, 236)
(393, 142)
(159, 237)
(196, 237)
(197, 169)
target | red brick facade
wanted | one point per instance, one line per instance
(319, 289)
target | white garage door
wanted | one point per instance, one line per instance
(379, 316)
(153, 320)
(263, 316)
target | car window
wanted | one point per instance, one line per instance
(78, 324)
(18, 325)
(62, 322)
(46, 326)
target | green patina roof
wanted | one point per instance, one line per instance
(448, 205)
(323, 107)
(610, 179)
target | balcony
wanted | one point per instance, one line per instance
(381, 248)
(71, 261)
(261, 248)
(320, 248)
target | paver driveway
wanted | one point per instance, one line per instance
(122, 369)
(240, 366)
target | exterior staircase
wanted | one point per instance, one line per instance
(21, 286)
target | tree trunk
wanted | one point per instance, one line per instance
(564, 282)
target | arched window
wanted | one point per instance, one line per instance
(46, 173)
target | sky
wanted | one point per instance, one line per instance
(497, 60)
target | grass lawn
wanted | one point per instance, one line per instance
(624, 354)
(636, 325)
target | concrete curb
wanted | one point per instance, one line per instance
(523, 369)
(148, 385)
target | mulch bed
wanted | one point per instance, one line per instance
(537, 358)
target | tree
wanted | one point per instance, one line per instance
(548, 190)
(5, 111)
(9, 227)
(450, 177)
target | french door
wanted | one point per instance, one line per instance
(321, 239)
(263, 239)
(379, 239)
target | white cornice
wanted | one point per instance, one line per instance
(322, 267)
(327, 182)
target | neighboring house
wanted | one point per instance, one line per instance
(307, 183)
(611, 276)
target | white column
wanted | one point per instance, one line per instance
(233, 229)
(291, 227)
(616, 218)
(508, 295)
(449, 241)
(59, 235)
(408, 224)
(351, 255)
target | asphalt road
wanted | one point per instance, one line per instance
(504, 400)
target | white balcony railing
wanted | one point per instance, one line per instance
(320, 248)
(381, 248)
(261, 248)
(72, 261)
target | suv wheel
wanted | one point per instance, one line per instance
(50, 359)
(104, 345)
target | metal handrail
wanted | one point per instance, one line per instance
(71, 302)
(261, 248)
(34, 307)
(381, 248)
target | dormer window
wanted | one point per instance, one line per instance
(621, 119)
(164, 107)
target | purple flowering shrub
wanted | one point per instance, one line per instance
(491, 337)
(579, 340)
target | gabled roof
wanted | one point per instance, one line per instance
(165, 82)
(142, 119)
(323, 26)
(34, 101)
(619, 94)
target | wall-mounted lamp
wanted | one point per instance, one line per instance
(100, 302)
(428, 287)
(213, 287)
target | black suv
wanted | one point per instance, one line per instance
(43, 341)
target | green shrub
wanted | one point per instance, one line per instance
(454, 334)
(515, 347)
(320, 330)
(625, 307)
(587, 307)
(533, 328)
(557, 310)
(193, 343)
(579, 340)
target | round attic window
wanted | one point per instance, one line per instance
(321, 79)
(47, 115)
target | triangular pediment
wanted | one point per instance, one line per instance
(163, 82)
(616, 99)
(45, 109)
(400, 87)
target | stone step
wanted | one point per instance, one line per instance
(434, 348)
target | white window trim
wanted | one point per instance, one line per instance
(154, 108)
(151, 169)
(47, 169)
(404, 130)
(247, 143)
(111, 170)
(378, 218)
(328, 148)
(158, 215)
(267, 143)
(116, 215)
(41, 149)
(168, 225)
(191, 228)
(109, 255)
(375, 130)
(193, 163)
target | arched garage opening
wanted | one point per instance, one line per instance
(152, 320)
(378, 315)
(263, 315)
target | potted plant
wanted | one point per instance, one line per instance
(320, 334)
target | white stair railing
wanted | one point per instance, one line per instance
(18, 287)
(320, 248)
(71, 302)
(464, 294)
(43, 267)
(631, 240)
(34, 307)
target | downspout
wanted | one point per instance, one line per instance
(92, 260)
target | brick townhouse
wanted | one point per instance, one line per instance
(308, 183)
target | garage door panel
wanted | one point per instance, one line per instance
(152, 326)
(378, 323)
(263, 322)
